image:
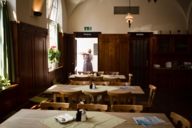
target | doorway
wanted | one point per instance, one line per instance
(139, 58)
(83, 45)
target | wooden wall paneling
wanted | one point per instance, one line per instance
(124, 55)
(33, 58)
(9, 101)
(40, 61)
(113, 53)
(25, 59)
(70, 50)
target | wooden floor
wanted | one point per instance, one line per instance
(165, 102)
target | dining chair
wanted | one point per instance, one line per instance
(105, 83)
(149, 102)
(95, 96)
(71, 96)
(36, 100)
(126, 108)
(78, 82)
(118, 83)
(93, 107)
(130, 75)
(97, 78)
(54, 105)
(111, 79)
(179, 121)
(84, 78)
(117, 97)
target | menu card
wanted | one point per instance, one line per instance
(148, 120)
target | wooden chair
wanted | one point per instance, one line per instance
(151, 96)
(97, 78)
(78, 78)
(111, 79)
(77, 82)
(105, 83)
(177, 118)
(130, 75)
(54, 105)
(118, 83)
(73, 97)
(120, 97)
(36, 100)
(127, 108)
(93, 107)
(95, 96)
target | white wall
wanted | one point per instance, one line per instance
(25, 13)
(165, 15)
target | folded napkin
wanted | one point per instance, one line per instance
(64, 118)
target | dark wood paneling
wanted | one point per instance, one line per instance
(177, 50)
(70, 56)
(33, 62)
(113, 53)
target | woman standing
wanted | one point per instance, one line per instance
(87, 57)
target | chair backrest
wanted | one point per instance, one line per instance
(79, 82)
(93, 107)
(95, 96)
(66, 96)
(127, 108)
(120, 97)
(54, 105)
(152, 92)
(105, 83)
(85, 78)
(97, 78)
(176, 118)
(118, 83)
(130, 75)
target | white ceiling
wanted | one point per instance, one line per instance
(72, 4)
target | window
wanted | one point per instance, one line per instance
(52, 10)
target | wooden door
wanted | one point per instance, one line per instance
(139, 58)
(70, 58)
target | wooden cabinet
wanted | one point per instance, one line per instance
(176, 50)
(171, 48)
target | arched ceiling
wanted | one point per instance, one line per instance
(185, 4)
(72, 4)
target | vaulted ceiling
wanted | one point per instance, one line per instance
(72, 4)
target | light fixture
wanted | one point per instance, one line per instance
(37, 7)
(129, 17)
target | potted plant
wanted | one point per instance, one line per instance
(4, 83)
(54, 55)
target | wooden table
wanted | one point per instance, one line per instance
(28, 118)
(121, 77)
(135, 90)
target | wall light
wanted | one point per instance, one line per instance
(37, 7)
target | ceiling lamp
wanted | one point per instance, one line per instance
(129, 17)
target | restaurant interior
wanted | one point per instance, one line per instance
(106, 60)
